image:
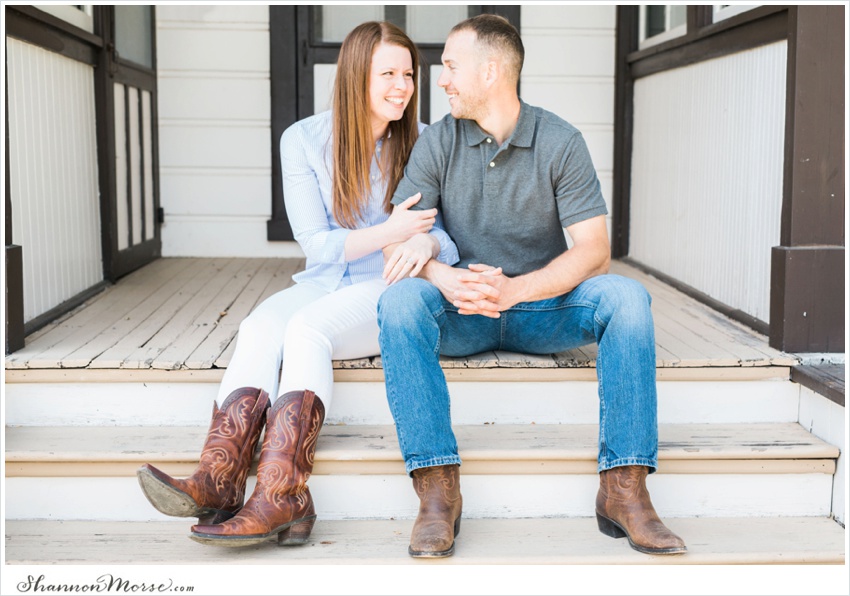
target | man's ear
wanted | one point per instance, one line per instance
(492, 72)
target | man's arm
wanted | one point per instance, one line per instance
(488, 292)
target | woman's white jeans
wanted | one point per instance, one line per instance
(304, 328)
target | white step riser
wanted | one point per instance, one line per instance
(560, 402)
(386, 496)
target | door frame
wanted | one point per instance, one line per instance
(114, 69)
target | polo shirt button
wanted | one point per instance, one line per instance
(492, 164)
(489, 140)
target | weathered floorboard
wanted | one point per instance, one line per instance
(216, 341)
(194, 333)
(168, 315)
(97, 315)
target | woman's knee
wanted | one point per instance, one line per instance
(303, 329)
(262, 326)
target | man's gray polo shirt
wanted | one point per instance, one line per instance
(505, 206)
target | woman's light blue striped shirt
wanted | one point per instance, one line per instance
(307, 165)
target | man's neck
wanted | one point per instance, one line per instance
(501, 118)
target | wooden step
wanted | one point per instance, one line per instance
(509, 471)
(559, 541)
(782, 448)
(519, 396)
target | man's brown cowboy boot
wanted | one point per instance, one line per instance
(623, 508)
(281, 502)
(440, 505)
(216, 489)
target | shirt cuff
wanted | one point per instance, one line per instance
(333, 250)
(448, 249)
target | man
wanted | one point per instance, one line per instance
(509, 178)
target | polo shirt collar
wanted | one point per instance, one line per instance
(521, 137)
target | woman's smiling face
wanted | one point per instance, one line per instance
(390, 84)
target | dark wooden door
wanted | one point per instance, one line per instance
(127, 138)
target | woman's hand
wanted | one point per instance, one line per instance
(410, 257)
(404, 223)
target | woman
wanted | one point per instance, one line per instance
(340, 169)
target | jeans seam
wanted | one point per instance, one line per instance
(440, 460)
(503, 323)
(629, 461)
(601, 324)
(394, 406)
(551, 308)
(441, 311)
(603, 445)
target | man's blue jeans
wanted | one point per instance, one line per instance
(417, 325)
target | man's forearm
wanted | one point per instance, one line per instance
(564, 273)
(431, 271)
(486, 291)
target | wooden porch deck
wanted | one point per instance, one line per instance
(184, 314)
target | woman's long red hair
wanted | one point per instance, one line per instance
(353, 145)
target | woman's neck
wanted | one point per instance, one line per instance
(379, 130)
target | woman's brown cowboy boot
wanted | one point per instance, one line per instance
(623, 509)
(440, 505)
(281, 502)
(216, 489)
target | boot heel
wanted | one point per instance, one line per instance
(296, 534)
(457, 526)
(609, 528)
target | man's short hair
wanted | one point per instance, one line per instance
(496, 33)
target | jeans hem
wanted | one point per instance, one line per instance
(652, 464)
(447, 460)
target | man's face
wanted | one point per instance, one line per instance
(463, 76)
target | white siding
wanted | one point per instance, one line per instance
(707, 168)
(215, 131)
(569, 70)
(53, 175)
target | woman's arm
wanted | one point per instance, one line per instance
(303, 199)
(401, 225)
(310, 219)
(410, 257)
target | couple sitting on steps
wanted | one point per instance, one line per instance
(446, 242)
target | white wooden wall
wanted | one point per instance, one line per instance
(215, 131)
(53, 174)
(569, 70)
(707, 167)
(214, 114)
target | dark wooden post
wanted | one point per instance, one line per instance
(14, 265)
(807, 311)
(627, 42)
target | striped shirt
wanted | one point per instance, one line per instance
(307, 165)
